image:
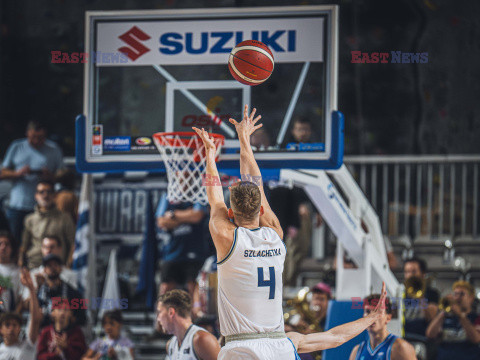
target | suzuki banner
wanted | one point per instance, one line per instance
(209, 41)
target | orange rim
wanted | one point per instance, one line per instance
(183, 138)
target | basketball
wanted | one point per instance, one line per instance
(251, 62)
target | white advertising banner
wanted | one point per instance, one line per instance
(208, 41)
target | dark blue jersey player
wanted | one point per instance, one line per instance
(381, 345)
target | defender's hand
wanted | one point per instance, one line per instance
(380, 309)
(207, 140)
(247, 126)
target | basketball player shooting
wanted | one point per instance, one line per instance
(251, 253)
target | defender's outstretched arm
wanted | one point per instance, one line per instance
(339, 334)
(249, 169)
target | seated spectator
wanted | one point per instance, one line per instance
(11, 291)
(113, 345)
(51, 244)
(25, 163)
(301, 132)
(417, 318)
(187, 249)
(46, 219)
(65, 198)
(459, 329)
(63, 339)
(260, 140)
(13, 347)
(55, 287)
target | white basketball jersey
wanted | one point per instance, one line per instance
(185, 351)
(250, 283)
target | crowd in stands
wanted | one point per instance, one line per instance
(37, 242)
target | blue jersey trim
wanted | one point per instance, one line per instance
(297, 357)
(231, 249)
(359, 350)
(377, 348)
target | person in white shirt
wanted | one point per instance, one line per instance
(13, 346)
(11, 288)
(51, 244)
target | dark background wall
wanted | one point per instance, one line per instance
(390, 108)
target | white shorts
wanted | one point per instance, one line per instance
(259, 349)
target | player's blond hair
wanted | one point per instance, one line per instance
(179, 300)
(245, 200)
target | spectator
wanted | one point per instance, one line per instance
(459, 329)
(312, 320)
(25, 163)
(114, 344)
(301, 132)
(12, 288)
(46, 220)
(260, 140)
(51, 244)
(65, 198)
(55, 287)
(13, 347)
(63, 339)
(183, 256)
(418, 317)
(321, 295)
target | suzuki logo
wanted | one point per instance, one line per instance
(133, 37)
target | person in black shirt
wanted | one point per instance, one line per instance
(458, 329)
(54, 287)
(418, 316)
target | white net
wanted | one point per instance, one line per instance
(184, 156)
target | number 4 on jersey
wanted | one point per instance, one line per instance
(270, 283)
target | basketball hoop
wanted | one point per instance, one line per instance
(184, 156)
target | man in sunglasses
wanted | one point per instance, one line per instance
(457, 325)
(46, 221)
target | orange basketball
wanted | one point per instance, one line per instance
(251, 62)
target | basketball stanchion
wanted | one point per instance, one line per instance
(184, 156)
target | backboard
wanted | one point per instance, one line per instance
(154, 71)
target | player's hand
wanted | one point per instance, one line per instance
(380, 309)
(207, 140)
(247, 126)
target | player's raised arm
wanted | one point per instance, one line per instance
(339, 334)
(249, 169)
(220, 226)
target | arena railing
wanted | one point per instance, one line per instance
(421, 196)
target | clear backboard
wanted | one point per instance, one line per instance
(155, 71)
